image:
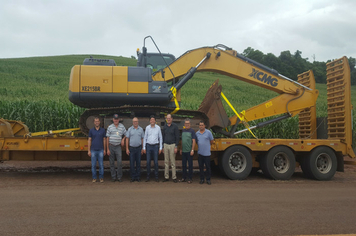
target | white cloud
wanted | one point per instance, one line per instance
(40, 27)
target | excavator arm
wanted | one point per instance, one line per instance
(292, 99)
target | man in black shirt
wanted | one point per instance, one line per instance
(170, 144)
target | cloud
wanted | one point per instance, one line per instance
(41, 28)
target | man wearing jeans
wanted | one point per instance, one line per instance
(96, 149)
(170, 144)
(187, 152)
(115, 139)
(134, 139)
(152, 146)
(204, 141)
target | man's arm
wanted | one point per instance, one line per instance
(176, 133)
(89, 145)
(107, 145)
(104, 143)
(145, 141)
(123, 136)
(127, 146)
(211, 138)
(160, 140)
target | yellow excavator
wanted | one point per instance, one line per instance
(153, 88)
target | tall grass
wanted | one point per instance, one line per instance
(42, 115)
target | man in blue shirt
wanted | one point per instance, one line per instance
(96, 149)
(204, 141)
(134, 138)
(152, 146)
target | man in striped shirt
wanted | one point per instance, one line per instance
(115, 139)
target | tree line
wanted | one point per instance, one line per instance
(291, 65)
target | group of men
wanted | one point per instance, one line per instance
(152, 142)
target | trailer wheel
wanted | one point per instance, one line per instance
(237, 162)
(279, 163)
(320, 164)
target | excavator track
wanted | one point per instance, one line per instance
(143, 113)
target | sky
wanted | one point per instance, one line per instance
(321, 29)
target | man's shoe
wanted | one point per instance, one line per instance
(147, 180)
(94, 180)
(113, 180)
(138, 180)
(175, 181)
(165, 180)
(201, 181)
(208, 182)
(182, 180)
(101, 180)
(119, 180)
(157, 180)
(189, 181)
(132, 180)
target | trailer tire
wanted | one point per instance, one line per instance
(279, 163)
(237, 162)
(321, 164)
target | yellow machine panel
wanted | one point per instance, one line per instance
(119, 79)
(137, 87)
(74, 79)
(96, 79)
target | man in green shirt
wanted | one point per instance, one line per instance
(187, 151)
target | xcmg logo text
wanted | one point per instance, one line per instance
(263, 77)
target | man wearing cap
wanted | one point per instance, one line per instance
(152, 145)
(97, 149)
(115, 138)
(134, 139)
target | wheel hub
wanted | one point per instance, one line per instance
(281, 163)
(237, 162)
(323, 163)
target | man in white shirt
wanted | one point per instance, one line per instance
(152, 146)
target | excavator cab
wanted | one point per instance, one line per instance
(155, 61)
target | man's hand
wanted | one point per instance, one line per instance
(180, 152)
(89, 153)
(144, 151)
(108, 152)
(160, 151)
(192, 152)
(104, 153)
(128, 152)
(175, 150)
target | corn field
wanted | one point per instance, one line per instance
(35, 91)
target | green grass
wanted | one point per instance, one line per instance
(35, 91)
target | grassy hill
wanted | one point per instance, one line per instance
(35, 91)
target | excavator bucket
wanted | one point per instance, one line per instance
(307, 117)
(213, 107)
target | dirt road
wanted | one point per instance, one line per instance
(60, 200)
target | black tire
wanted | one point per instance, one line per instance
(237, 162)
(321, 163)
(279, 163)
